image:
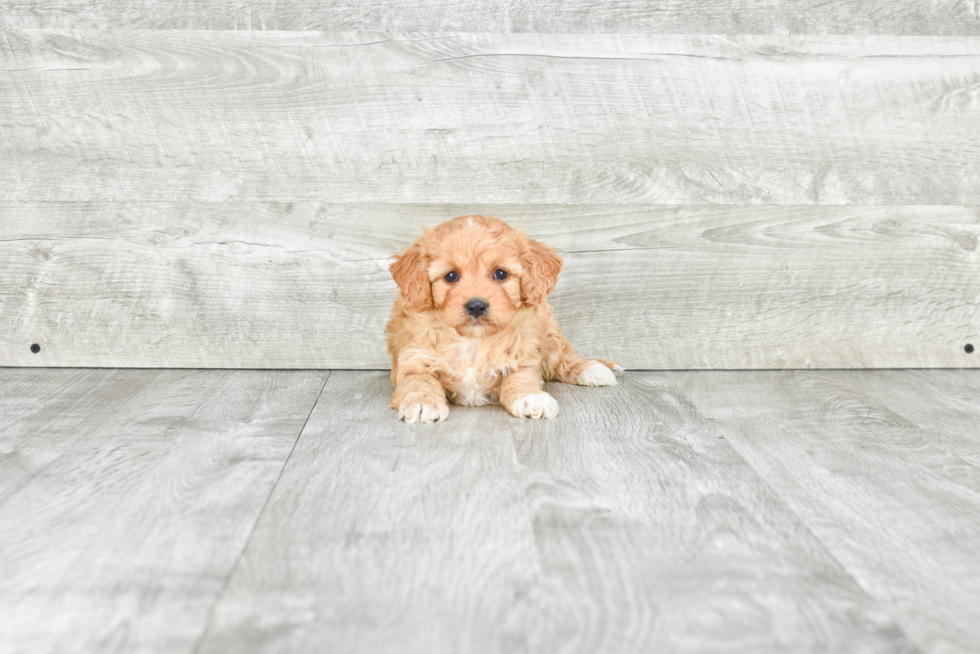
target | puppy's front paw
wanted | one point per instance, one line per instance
(425, 410)
(535, 405)
(597, 375)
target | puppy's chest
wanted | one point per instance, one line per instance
(469, 378)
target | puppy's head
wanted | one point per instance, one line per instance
(475, 272)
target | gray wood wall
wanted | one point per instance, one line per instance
(732, 184)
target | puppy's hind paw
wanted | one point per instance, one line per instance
(420, 411)
(535, 405)
(598, 374)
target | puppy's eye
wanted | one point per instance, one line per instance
(452, 277)
(500, 275)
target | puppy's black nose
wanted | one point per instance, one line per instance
(476, 307)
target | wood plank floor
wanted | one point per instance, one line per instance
(270, 511)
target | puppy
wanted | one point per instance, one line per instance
(472, 323)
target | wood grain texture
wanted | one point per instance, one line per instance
(305, 285)
(488, 118)
(624, 525)
(943, 405)
(655, 536)
(384, 537)
(127, 496)
(619, 16)
(889, 485)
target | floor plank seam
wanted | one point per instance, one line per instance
(255, 524)
(916, 646)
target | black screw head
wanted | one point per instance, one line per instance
(969, 348)
(35, 348)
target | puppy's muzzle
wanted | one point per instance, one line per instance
(476, 307)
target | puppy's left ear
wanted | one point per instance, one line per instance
(410, 271)
(541, 268)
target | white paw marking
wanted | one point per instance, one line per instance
(536, 405)
(422, 412)
(597, 375)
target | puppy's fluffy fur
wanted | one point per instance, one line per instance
(439, 349)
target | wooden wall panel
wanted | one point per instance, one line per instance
(482, 118)
(622, 16)
(305, 285)
(229, 199)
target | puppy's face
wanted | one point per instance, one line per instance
(475, 272)
(476, 280)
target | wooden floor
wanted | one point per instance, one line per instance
(264, 511)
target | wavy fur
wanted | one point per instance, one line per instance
(440, 353)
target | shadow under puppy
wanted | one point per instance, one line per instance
(472, 322)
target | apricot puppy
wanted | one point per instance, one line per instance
(472, 323)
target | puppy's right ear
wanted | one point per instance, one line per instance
(410, 271)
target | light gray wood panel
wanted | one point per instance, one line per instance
(127, 496)
(624, 525)
(506, 118)
(621, 16)
(944, 406)
(893, 498)
(305, 285)
(384, 537)
(650, 527)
